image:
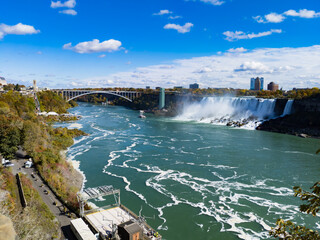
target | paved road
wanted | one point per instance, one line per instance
(49, 198)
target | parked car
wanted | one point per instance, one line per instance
(28, 164)
(8, 164)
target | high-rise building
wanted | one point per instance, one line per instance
(252, 83)
(262, 83)
(273, 86)
(256, 83)
(194, 86)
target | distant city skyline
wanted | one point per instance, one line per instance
(73, 43)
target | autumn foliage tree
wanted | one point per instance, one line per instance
(288, 230)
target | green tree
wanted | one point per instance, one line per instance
(17, 87)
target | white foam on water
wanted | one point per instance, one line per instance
(225, 213)
(200, 225)
(77, 150)
(75, 125)
(222, 211)
(127, 187)
(297, 152)
(79, 140)
(201, 148)
(225, 188)
(113, 155)
(209, 165)
(92, 205)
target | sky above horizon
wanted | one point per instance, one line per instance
(167, 43)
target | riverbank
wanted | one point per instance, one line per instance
(77, 177)
(21, 126)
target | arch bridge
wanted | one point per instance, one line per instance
(73, 94)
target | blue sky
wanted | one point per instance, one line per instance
(106, 43)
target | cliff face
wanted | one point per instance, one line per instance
(279, 107)
(305, 119)
(295, 124)
(311, 104)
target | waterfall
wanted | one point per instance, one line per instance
(288, 108)
(245, 112)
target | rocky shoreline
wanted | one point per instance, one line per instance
(303, 124)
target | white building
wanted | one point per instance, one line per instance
(3, 81)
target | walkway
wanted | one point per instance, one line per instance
(48, 198)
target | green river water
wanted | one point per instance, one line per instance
(198, 180)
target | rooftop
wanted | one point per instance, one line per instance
(82, 229)
(103, 220)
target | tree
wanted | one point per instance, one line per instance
(17, 87)
(288, 230)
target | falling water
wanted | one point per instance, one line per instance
(231, 111)
(288, 108)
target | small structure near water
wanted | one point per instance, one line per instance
(129, 231)
(114, 221)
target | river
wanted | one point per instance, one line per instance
(195, 180)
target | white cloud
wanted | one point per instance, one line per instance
(277, 18)
(233, 36)
(102, 56)
(174, 17)
(256, 67)
(274, 17)
(163, 12)
(181, 29)
(203, 70)
(270, 18)
(76, 84)
(260, 68)
(213, 2)
(280, 65)
(303, 13)
(69, 12)
(237, 50)
(67, 4)
(95, 46)
(18, 29)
